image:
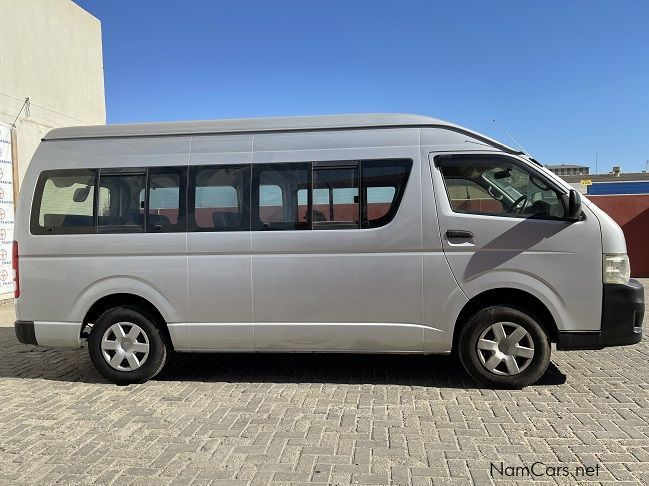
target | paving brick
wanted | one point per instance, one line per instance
(317, 419)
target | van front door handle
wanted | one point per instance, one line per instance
(459, 234)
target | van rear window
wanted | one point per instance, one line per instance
(64, 202)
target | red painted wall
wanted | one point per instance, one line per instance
(631, 212)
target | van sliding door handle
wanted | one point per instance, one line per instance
(459, 234)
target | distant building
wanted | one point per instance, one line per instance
(615, 182)
(52, 54)
(51, 76)
(569, 169)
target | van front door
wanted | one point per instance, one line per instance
(502, 226)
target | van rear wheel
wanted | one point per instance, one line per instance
(502, 346)
(126, 346)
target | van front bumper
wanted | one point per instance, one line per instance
(622, 314)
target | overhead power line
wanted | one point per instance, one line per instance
(24, 107)
(44, 108)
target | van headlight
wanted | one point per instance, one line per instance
(616, 268)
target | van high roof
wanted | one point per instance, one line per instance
(264, 125)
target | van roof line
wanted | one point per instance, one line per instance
(265, 125)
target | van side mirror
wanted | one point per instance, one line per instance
(572, 205)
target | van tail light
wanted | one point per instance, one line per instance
(14, 267)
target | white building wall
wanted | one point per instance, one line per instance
(51, 52)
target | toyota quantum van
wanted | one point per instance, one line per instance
(342, 234)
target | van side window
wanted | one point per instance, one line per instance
(284, 196)
(379, 200)
(383, 183)
(496, 185)
(328, 195)
(270, 195)
(64, 202)
(121, 206)
(335, 197)
(219, 198)
(166, 203)
(303, 201)
(280, 209)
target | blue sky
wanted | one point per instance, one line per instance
(566, 78)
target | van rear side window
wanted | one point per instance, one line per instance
(64, 202)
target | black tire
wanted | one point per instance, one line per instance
(470, 355)
(152, 364)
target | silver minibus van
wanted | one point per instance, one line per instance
(343, 234)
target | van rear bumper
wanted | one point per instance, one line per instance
(45, 333)
(622, 314)
(25, 332)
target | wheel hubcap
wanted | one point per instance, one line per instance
(125, 346)
(505, 348)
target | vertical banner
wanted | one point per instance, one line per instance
(6, 211)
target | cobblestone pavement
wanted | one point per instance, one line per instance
(329, 419)
(7, 314)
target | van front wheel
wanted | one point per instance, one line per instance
(126, 346)
(503, 346)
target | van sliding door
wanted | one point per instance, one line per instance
(330, 271)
